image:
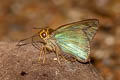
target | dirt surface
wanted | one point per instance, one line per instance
(23, 64)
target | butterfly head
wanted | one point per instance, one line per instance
(44, 33)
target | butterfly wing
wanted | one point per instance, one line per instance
(74, 38)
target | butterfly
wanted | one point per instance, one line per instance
(72, 39)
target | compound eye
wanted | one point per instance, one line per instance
(43, 34)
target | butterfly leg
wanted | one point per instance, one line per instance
(63, 57)
(57, 54)
(58, 57)
(44, 49)
(41, 51)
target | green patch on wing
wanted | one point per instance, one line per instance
(74, 38)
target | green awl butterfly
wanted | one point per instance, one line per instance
(72, 39)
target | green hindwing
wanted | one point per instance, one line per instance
(75, 38)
